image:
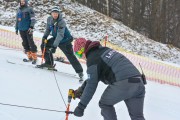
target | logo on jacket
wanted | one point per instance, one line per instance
(88, 76)
(110, 54)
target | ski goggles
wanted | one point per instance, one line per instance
(79, 53)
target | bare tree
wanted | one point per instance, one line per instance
(157, 19)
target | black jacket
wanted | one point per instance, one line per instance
(106, 65)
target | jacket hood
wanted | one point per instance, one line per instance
(26, 3)
(91, 45)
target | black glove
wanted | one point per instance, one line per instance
(52, 49)
(78, 93)
(79, 110)
(30, 31)
(43, 39)
(16, 32)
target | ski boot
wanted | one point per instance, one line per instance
(47, 66)
(81, 75)
(29, 55)
(60, 59)
(34, 57)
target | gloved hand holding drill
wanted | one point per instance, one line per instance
(79, 110)
(75, 93)
(80, 90)
(78, 93)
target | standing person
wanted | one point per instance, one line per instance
(25, 21)
(61, 38)
(124, 81)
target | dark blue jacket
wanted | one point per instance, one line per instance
(58, 30)
(25, 18)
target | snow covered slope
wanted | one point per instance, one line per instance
(22, 84)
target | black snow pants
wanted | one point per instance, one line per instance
(28, 43)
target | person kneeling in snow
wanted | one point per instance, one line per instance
(61, 38)
(124, 81)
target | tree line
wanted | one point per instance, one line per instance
(157, 19)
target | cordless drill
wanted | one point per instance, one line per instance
(71, 95)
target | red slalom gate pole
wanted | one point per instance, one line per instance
(67, 111)
(106, 39)
(45, 42)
